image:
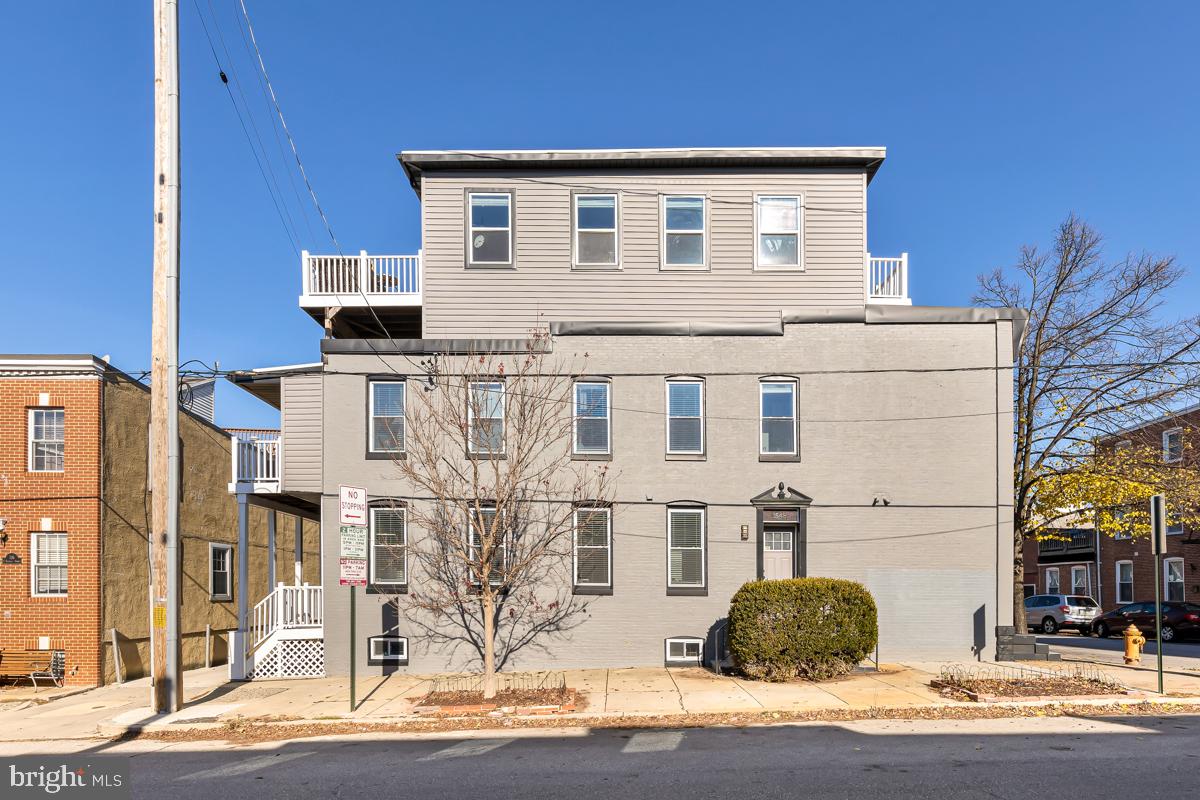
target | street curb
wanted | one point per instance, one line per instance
(573, 720)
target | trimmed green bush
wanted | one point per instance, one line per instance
(813, 628)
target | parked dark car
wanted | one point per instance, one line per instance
(1179, 620)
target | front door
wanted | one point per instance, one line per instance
(779, 560)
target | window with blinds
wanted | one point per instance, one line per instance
(48, 557)
(685, 547)
(387, 416)
(593, 547)
(685, 417)
(592, 418)
(389, 547)
(482, 526)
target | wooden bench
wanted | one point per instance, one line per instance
(33, 664)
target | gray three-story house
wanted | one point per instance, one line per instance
(771, 402)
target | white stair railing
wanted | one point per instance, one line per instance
(285, 607)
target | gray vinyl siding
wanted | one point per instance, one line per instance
(875, 422)
(542, 287)
(301, 430)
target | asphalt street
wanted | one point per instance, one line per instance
(1111, 649)
(1064, 758)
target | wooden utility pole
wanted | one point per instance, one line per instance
(166, 693)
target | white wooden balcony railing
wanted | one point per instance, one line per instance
(356, 280)
(887, 280)
(256, 461)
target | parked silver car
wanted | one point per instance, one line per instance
(1050, 612)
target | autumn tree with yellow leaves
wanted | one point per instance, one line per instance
(1098, 357)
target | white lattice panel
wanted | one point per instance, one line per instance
(291, 658)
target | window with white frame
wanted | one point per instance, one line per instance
(389, 547)
(780, 221)
(1173, 580)
(1124, 531)
(1079, 580)
(1124, 581)
(685, 417)
(684, 650)
(685, 548)
(1172, 445)
(489, 228)
(45, 435)
(684, 235)
(593, 547)
(387, 416)
(485, 417)
(484, 525)
(595, 220)
(778, 415)
(1052, 584)
(387, 650)
(220, 571)
(48, 564)
(592, 417)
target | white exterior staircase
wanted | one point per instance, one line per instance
(285, 636)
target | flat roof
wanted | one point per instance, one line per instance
(418, 162)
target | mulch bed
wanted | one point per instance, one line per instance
(511, 701)
(990, 690)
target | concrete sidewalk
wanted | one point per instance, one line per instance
(212, 701)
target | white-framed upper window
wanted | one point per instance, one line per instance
(685, 548)
(593, 416)
(220, 571)
(1173, 580)
(387, 650)
(48, 564)
(684, 231)
(1052, 583)
(386, 419)
(779, 231)
(485, 417)
(597, 241)
(1079, 581)
(485, 523)
(684, 650)
(389, 547)
(1124, 581)
(777, 403)
(1172, 445)
(45, 436)
(685, 416)
(1124, 531)
(593, 546)
(489, 228)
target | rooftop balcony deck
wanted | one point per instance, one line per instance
(350, 281)
(257, 456)
(887, 280)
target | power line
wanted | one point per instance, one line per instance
(246, 133)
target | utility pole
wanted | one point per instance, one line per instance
(166, 693)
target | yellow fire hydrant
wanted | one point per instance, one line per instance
(1134, 642)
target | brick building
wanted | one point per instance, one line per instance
(74, 517)
(1127, 568)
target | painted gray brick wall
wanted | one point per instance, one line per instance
(915, 413)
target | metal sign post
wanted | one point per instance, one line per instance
(1158, 544)
(352, 561)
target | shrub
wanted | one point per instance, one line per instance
(814, 628)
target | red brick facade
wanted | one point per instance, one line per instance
(1184, 546)
(63, 502)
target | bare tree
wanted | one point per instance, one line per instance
(1097, 357)
(497, 502)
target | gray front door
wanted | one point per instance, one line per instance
(779, 560)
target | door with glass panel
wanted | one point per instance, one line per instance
(779, 542)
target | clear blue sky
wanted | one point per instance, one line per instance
(998, 120)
